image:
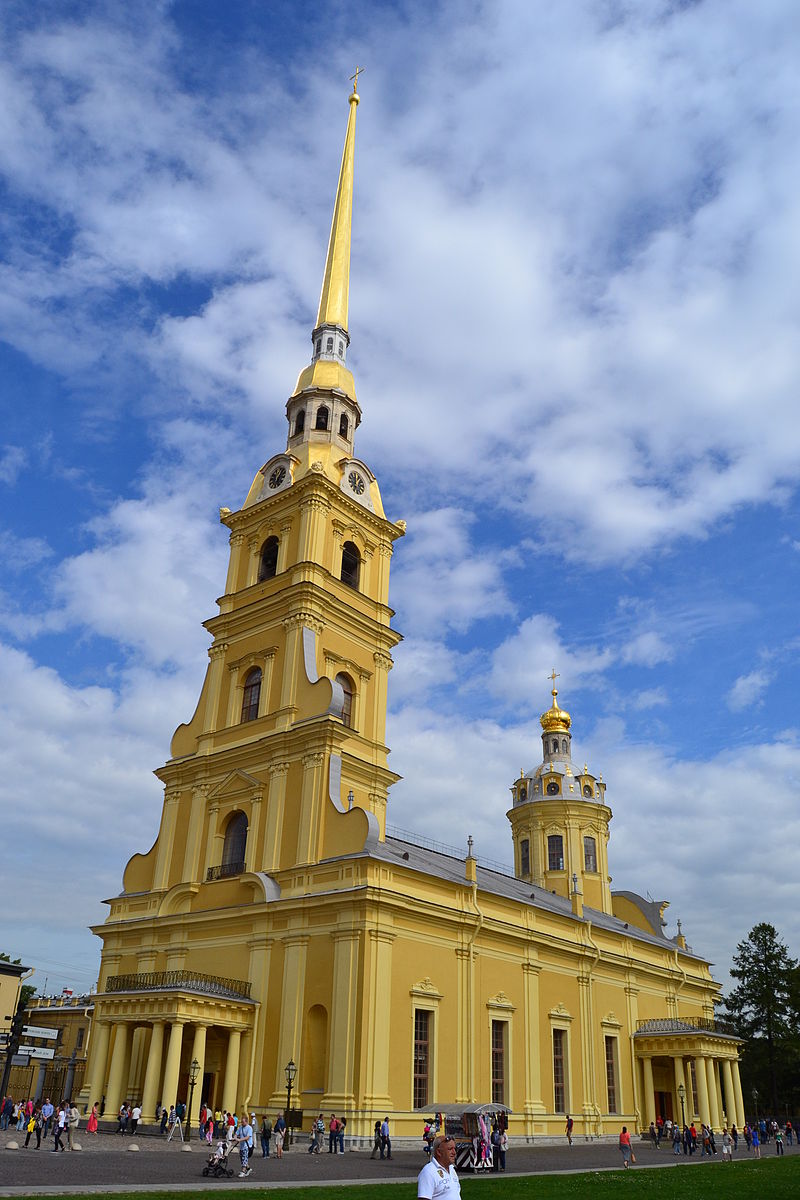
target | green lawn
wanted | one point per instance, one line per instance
(771, 1177)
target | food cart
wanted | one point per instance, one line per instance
(471, 1126)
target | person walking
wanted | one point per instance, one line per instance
(438, 1179)
(266, 1134)
(91, 1124)
(727, 1146)
(333, 1134)
(778, 1134)
(136, 1113)
(280, 1134)
(677, 1138)
(342, 1127)
(625, 1147)
(756, 1139)
(245, 1140)
(73, 1121)
(570, 1125)
(376, 1139)
(386, 1141)
(59, 1125)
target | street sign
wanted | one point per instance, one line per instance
(38, 1051)
(39, 1031)
(20, 1060)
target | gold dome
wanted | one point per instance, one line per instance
(555, 720)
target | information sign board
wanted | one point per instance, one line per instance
(39, 1031)
(38, 1051)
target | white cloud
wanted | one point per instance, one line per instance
(748, 690)
(13, 459)
(522, 663)
(650, 698)
(647, 649)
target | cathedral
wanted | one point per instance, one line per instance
(276, 930)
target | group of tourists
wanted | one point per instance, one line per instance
(39, 1121)
(687, 1140)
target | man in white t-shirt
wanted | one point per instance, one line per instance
(438, 1180)
(136, 1113)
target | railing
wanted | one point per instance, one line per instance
(186, 981)
(224, 870)
(683, 1025)
(425, 843)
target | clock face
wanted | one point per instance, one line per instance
(277, 477)
(356, 482)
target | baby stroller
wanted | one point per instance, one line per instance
(217, 1164)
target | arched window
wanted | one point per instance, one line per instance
(300, 421)
(589, 854)
(341, 349)
(351, 565)
(587, 790)
(524, 857)
(318, 347)
(523, 793)
(322, 418)
(555, 852)
(234, 845)
(251, 695)
(329, 345)
(346, 684)
(268, 566)
(555, 745)
(343, 425)
(564, 746)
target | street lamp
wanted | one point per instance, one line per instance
(194, 1071)
(755, 1102)
(290, 1071)
(682, 1098)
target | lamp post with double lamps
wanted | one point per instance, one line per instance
(290, 1071)
(194, 1071)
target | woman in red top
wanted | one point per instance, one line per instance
(625, 1146)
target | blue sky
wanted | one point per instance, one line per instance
(574, 333)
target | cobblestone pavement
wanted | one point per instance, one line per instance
(106, 1164)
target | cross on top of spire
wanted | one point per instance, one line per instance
(359, 71)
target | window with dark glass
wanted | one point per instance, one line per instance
(329, 345)
(346, 684)
(79, 1038)
(343, 425)
(268, 563)
(523, 793)
(235, 842)
(564, 746)
(351, 565)
(422, 1056)
(499, 1062)
(559, 1071)
(318, 346)
(555, 745)
(555, 852)
(525, 857)
(322, 418)
(251, 694)
(589, 854)
(552, 788)
(300, 421)
(611, 1073)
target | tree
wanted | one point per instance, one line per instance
(760, 1008)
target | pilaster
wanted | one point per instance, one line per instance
(378, 1039)
(342, 1035)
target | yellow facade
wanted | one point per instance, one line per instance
(274, 919)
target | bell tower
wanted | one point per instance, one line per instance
(292, 714)
(559, 820)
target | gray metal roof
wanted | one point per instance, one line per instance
(444, 866)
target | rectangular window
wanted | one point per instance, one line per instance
(555, 852)
(79, 1039)
(422, 1056)
(498, 1062)
(524, 857)
(611, 1073)
(559, 1070)
(589, 854)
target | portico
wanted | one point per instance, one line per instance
(688, 1056)
(150, 1026)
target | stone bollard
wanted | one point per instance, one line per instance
(186, 1147)
(133, 1146)
(76, 1146)
(12, 1146)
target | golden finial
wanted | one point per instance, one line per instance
(555, 718)
(359, 71)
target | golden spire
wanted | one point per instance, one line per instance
(333, 302)
(555, 718)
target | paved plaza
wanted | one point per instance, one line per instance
(106, 1164)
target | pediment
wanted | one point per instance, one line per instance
(235, 784)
